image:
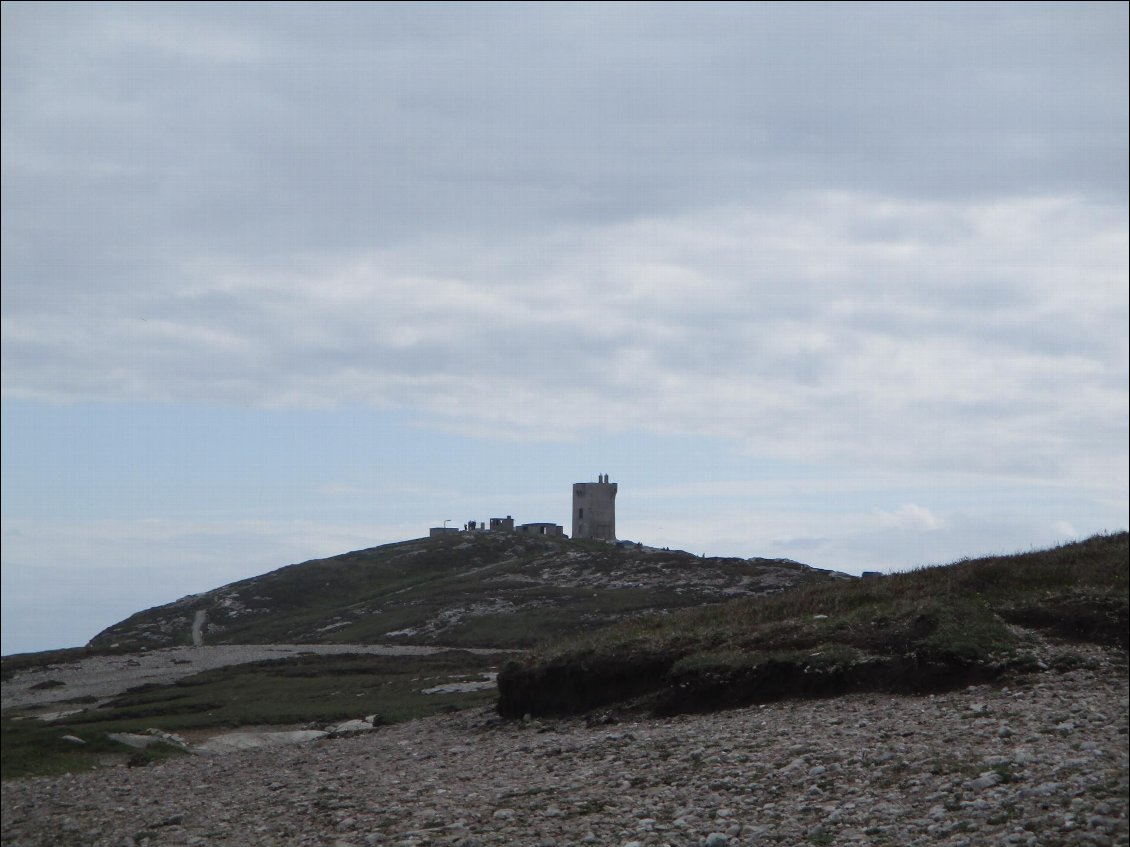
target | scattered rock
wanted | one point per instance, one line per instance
(986, 780)
(485, 684)
(854, 770)
(131, 739)
(233, 742)
(350, 728)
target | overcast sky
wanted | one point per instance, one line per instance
(842, 283)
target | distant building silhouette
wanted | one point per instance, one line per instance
(594, 516)
(594, 509)
(505, 524)
(540, 529)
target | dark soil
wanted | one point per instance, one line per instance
(567, 687)
(575, 685)
(774, 680)
(1095, 620)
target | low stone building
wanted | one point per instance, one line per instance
(540, 529)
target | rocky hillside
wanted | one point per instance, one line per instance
(482, 589)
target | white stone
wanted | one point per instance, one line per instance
(236, 741)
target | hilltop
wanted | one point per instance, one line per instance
(481, 589)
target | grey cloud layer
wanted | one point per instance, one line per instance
(994, 342)
(314, 128)
(844, 231)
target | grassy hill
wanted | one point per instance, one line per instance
(630, 627)
(926, 629)
(481, 590)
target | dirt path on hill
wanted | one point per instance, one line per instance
(198, 627)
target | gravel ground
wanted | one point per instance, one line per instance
(1042, 761)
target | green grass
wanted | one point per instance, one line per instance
(918, 630)
(957, 608)
(369, 592)
(362, 596)
(300, 690)
(304, 689)
(32, 748)
(824, 656)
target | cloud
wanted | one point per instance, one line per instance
(1065, 530)
(843, 535)
(910, 516)
(835, 327)
(197, 42)
(286, 131)
(861, 240)
(670, 218)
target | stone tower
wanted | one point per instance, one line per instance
(594, 509)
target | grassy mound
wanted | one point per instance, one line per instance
(490, 589)
(923, 630)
